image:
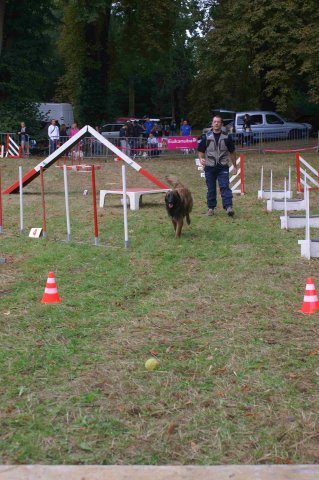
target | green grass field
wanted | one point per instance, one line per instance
(238, 375)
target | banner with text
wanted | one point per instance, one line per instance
(176, 143)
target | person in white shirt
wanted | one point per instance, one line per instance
(54, 136)
(152, 146)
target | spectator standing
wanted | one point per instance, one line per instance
(24, 139)
(186, 129)
(124, 140)
(247, 129)
(137, 132)
(74, 129)
(96, 145)
(166, 129)
(54, 136)
(172, 128)
(214, 150)
(156, 130)
(152, 145)
(148, 125)
(63, 133)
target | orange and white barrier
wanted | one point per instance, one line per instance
(12, 148)
(236, 182)
(1, 151)
(306, 173)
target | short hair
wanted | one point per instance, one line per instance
(217, 116)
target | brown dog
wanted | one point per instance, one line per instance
(179, 204)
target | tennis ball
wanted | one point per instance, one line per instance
(151, 364)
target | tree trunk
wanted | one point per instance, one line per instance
(2, 10)
(173, 110)
(131, 98)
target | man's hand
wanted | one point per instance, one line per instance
(234, 171)
(202, 161)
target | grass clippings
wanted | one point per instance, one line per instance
(238, 374)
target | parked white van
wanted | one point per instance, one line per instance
(62, 112)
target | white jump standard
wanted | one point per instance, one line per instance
(288, 204)
(274, 194)
(299, 221)
(309, 247)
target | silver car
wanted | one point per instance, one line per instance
(265, 125)
(269, 125)
(112, 130)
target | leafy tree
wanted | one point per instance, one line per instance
(223, 58)
(253, 56)
(151, 55)
(84, 46)
(25, 59)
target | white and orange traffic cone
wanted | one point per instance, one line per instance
(51, 292)
(310, 301)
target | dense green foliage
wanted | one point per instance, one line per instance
(27, 61)
(176, 57)
(261, 54)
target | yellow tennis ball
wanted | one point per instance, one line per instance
(151, 364)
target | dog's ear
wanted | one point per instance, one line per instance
(172, 180)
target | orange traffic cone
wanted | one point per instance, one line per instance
(310, 301)
(50, 292)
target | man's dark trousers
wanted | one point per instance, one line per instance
(218, 173)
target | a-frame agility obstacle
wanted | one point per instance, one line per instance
(51, 159)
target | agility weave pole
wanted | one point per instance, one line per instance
(51, 159)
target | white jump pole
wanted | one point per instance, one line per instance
(21, 199)
(285, 203)
(262, 181)
(306, 193)
(124, 206)
(289, 180)
(67, 211)
(270, 194)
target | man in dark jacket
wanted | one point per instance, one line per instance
(214, 151)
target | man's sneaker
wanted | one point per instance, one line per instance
(230, 212)
(210, 212)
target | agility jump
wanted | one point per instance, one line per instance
(51, 159)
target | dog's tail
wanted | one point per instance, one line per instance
(174, 181)
(188, 219)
